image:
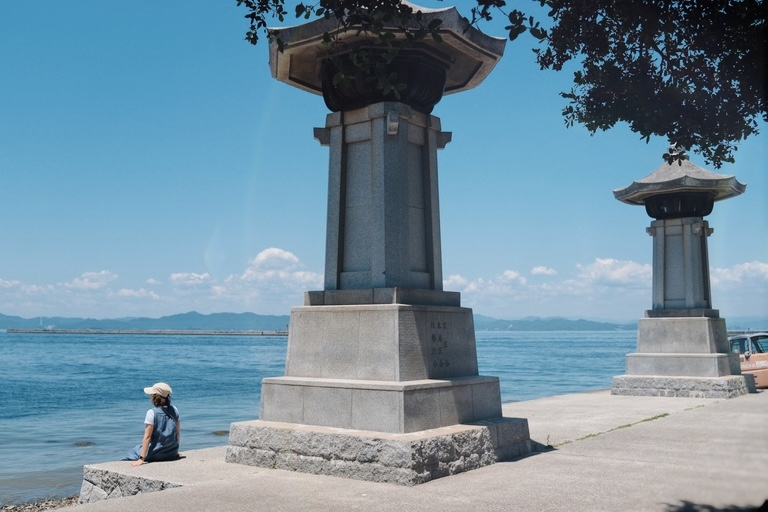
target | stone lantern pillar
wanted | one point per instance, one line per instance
(381, 380)
(682, 345)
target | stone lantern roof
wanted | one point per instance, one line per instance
(679, 189)
(465, 55)
(673, 178)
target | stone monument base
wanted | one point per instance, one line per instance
(381, 384)
(382, 360)
(404, 459)
(688, 387)
(682, 353)
(670, 332)
(683, 364)
(382, 406)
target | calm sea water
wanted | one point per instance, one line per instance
(69, 400)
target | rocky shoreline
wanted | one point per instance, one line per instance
(37, 506)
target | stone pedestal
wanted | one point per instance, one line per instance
(683, 346)
(384, 390)
(396, 368)
(682, 356)
(381, 380)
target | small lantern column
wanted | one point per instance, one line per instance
(682, 345)
(680, 265)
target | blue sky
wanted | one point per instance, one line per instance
(150, 165)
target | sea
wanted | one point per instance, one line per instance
(67, 400)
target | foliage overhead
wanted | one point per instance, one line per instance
(692, 71)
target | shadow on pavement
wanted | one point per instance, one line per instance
(688, 506)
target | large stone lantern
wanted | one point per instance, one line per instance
(682, 346)
(381, 380)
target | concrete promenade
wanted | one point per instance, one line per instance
(611, 453)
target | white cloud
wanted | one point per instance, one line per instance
(455, 281)
(275, 270)
(9, 284)
(611, 272)
(606, 288)
(190, 279)
(740, 290)
(512, 276)
(543, 271)
(509, 282)
(742, 274)
(274, 258)
(141, 293)
(92, 280)
(272, 283)
(275, 279)
(278, 267)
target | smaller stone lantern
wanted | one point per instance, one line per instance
(682, 345)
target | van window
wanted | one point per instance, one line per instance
(738, 345)
(760, 343)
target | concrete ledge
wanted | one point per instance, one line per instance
(689, 387)
(404, 459)
(689, 452)
(102, 484)
(118, 479)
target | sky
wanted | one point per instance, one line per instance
(150, 165)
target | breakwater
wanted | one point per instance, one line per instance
(165, 332)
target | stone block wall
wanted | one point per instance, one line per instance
(404, 459)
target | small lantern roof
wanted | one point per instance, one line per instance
(469, 53)
(679, 177)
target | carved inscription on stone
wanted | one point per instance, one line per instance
(440, 355)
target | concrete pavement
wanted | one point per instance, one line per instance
(609, 453)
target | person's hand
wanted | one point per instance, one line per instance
(137, 462)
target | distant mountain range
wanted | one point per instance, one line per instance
(254, 322)
(191, 321)
(535, 323)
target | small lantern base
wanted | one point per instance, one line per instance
(686, 387)
(682, 356)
